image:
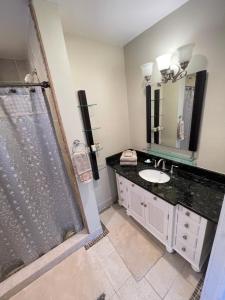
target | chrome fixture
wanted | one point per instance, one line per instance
(155, 163)
(172, 167)
(147, 71)
(163, 164)
(175, 71)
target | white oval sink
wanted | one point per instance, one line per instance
(155, 176)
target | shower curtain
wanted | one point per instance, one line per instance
(37, 205)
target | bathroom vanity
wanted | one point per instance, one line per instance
(181, 213)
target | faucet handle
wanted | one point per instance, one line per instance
(164, 166)
(173, 166)
(155, 163)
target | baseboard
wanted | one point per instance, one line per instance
(106, 204)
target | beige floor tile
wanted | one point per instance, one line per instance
(190, 275)
(115, 269)
(138, 251)
(114, 217)
(79, 276)
(103, 248)
(115, 297)
(180, 290)
(141, 290)
(164, 272)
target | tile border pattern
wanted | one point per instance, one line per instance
(197, 292)
(98, 238)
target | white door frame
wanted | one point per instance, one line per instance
(214, 285)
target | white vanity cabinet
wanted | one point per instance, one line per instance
(122, 188)
(159, 219)
(193, 236)
(137, 204)
(177, 227)
(153, 213)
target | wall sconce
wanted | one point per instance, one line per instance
(147, 71)
(175, 72)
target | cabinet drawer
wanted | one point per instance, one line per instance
(187, 225)
(189, 214)
(184, 250)
(188, 239)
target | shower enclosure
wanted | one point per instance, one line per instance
(37, 206)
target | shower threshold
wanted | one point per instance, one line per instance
(28, 274)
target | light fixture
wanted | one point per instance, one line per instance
(147, 71)
(177, 71)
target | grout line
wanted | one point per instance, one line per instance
(153, 288)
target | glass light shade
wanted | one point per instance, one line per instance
(185, 53)
(147, 69)
(163, 61)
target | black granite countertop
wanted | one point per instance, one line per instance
(197, 189)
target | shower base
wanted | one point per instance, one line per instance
(28, 274)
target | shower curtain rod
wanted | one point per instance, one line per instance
(43, 84)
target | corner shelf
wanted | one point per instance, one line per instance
(87, 105)
(91, 129)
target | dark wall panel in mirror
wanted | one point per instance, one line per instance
(148, 113)
(156, 115)
(197, 109)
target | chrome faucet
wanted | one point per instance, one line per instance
(163, 164)
(172, 167)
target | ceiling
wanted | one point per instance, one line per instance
(14, 20)
(113, 21)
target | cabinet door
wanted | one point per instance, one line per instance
(122, 190)
(157, 217)
(136, 203)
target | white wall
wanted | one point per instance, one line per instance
(201, 22)
(13, 69)
(99, 69)
(52, 37)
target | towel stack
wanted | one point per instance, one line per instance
(128, 158)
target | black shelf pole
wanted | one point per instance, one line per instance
(88, 132)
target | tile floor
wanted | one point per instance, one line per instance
(118, 267)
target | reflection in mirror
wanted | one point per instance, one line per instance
(172, 106)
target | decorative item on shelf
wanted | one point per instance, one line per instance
(175, 71)
(157, 129)
(147, 72)
(81, 161)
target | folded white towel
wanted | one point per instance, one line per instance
(132, 158)
(128, 163)
(127, 153)
(82, 166)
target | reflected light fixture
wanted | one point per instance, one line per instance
(177, 71)
(147, 71)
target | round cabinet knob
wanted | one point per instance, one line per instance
(183, 249)
(132, 185)
(185, 237)
(121, 192)
(155, 198)
(142, 203)
(187, 213)
(121, 182)
(186, 225)
(145, 205)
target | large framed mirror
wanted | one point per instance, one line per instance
(174, 111)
